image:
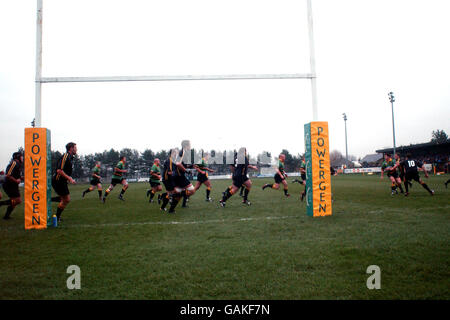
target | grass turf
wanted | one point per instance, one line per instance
(270, 250)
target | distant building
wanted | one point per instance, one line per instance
(433, 153)
(372, 160)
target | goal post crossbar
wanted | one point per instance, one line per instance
(176, 77)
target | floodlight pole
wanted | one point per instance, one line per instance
(392, 100)
(38, 100)
(345, 122)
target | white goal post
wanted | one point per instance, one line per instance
(39, 80)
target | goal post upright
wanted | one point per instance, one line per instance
(312, 61)
(38, 77)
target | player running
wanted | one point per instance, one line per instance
(11, 184)
(95, 181)
(183, 187)
(303, 177)
(280, 177)
(155, 178)
(2, 180)
(390, 166)
(167, 178)
(411, 173)
(239, 170)
(117, 178)
(202, 176)
(61, 177)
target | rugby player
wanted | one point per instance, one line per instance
(401, 169)
(390, 166)
(411, 173)
(202, 176)
(303, 177)
(280, 177)
(239, 178)
(95, 181)
(117, 178)
(11, 184)
(2, 180)
(62, 176)
(167, 178)
(155, 178)
(183, 187)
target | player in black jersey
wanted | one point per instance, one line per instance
(401, 170)
(62, 176)
(167, 179)
(410, 167)
(239, 170)
(202, 176)
(2, 180)
(11, 184)
(183, 187)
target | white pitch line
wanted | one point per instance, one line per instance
(175, 222)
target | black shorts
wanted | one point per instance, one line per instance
(181, 181)
(277, 178)
(239, 180)
(115, 181)
(202, 177)
(154, 184)
(393, 174)
(412, 176)
(95, 182)
(168, 184)
(60, 187)
(11, 189)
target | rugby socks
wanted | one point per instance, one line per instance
(165, 200)
(56, 199)
(175, 199)
(122, 192)
(267, 186)
(286, 192)
(106, 193)
(426, 188)
(208, 192)
(400, 186)
(5, 202)
(407, 186)
(152, 194)
(59, 210)
(246, 192)
(100, 193)
(87, 190)
(227, 194)
(241, 191)
(9, 209)
(185, 198)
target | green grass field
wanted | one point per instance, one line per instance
(270, 250)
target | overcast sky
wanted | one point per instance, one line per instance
(364, 49)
